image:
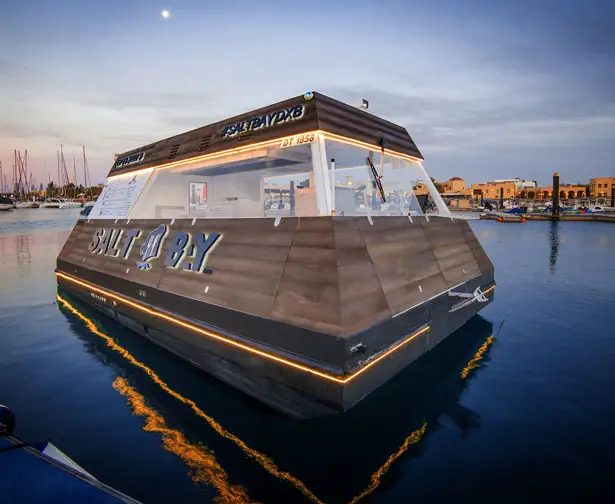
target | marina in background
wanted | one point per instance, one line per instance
(24, 193)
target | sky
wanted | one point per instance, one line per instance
(488, 89)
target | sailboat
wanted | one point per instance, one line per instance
(62, 202)
(20, 174)
(69, 203)
(87, 206)
(54, 202)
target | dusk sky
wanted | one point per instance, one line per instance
(487, 88)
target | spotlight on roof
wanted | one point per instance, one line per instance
(362, 103)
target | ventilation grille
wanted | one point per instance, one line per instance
(204, 145)
(173, 151)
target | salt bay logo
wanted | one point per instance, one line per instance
(187, 251)
(151, 246)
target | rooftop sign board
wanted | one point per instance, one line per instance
(264, 121)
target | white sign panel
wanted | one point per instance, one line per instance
(119, 195)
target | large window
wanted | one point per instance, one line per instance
(296, 181)
(384, 185)
(267, 182)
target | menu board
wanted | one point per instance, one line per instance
(118, 196)
(198, 196)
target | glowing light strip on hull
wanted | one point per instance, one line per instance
(228, 341)
(271, 143)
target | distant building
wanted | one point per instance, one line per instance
(455, 185)
(601, 186)
(519, 183)
(493, 190)
(566, 191)
(420, 188)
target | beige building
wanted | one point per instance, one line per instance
(491, 190)
(566, 191)
(420, 188)
(601, 186)
(455, 185)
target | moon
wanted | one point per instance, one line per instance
(165, 14)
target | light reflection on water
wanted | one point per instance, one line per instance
(526, 404)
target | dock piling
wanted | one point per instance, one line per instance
(555, 209)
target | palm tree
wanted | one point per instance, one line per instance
(51, 190)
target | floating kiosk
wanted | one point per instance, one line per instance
(282, 251)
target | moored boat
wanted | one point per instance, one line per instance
(51, 203)
(6, 203)
(70, 204)
(60, 203)
(26, 204)
(41, 472)
(282, 251)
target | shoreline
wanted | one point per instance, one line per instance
(548, 217)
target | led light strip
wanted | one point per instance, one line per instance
(236, 344)
(367, 146)
(271, 143)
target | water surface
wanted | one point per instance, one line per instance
(517, 404)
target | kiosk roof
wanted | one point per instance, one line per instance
(301, 114)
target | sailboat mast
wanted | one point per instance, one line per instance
(59, 183)
(1, 179)
(85, 170)
(21, 185)
(15, 189)
(64, 171)
(25, 173)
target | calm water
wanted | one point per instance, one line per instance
(517, 404)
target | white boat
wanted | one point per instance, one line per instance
(26, 204)
(70, 204)
(51, 203)
(60, 203)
